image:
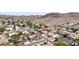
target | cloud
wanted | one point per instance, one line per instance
(39, 6)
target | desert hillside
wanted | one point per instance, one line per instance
(58, 18)
(49, 19)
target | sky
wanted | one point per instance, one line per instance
(45, 6)
(23, 13)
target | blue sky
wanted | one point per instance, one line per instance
(23, 13)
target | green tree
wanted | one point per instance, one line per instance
(60, 42)
(74, 29)
(76, 40)
(3, 22)
(9, 22)
(14, 27)
(13, 22)
(20, 33)
(2, 30)
(14, 39)
(7, 35)
(29, 23)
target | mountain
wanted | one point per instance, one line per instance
(59, 18)
(49, 19)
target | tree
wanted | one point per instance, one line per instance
(9, 22)
(76, 40)
(20, 33)
(13, 22)
(14, 27)
(7, 35)
(2, 30)
(60, 42)
(65, 35)
(74, 29)
(36, 27)
(3, 22)
(29, 23)
(14, 39)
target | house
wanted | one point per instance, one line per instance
(55, 35)
(1, 25)
(9, 27)
(73, 36)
